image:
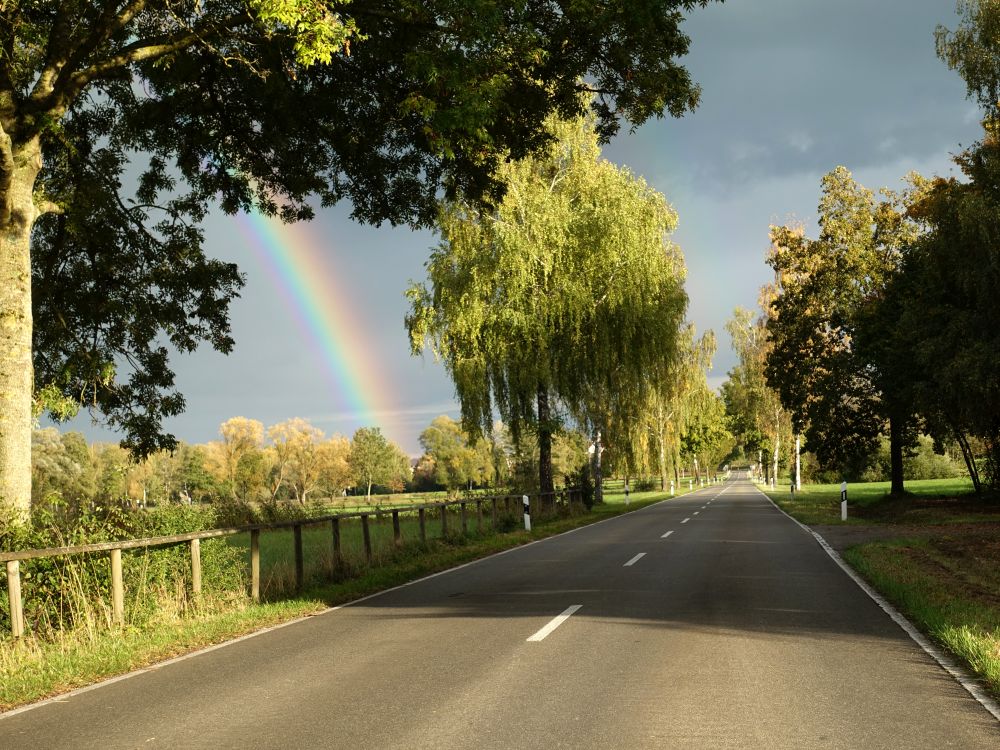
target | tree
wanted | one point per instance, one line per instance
(242, 440)
(449, 453)
(565, 291)
(755, 412)
(335, 467)
(944, 303)
(671, 401)
(374, 460)
(254, 105)
(299, 457)
(839, 392)
(973, 49)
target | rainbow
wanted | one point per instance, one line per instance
(323, 312)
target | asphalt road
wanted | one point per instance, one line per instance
(735, 630)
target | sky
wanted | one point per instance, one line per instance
(790, 90)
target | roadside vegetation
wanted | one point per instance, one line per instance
(54, 660)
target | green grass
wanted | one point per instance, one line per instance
(948, 588)
(36, 667)
(870, 502)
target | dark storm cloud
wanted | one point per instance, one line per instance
(798, 87)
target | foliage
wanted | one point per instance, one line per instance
(374, 460)
(554, 295)
(838, 384)
(260, 105)
(946, 305)
(973, 49)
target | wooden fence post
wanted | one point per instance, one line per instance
(479, 516)
(397, 536)
(117, 589)
(366, 532)
(423, 525)
(444, 521)
(300, 568)
(255, 564)
(14, 596)
(494, 503)
(195, 568)
(465, 522)
(338, 557)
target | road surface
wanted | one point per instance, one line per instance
(707, 621)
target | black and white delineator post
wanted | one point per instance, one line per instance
(843, 501)
(527, 512)
(626, 492)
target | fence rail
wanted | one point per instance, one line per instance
(193, 539)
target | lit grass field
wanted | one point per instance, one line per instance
(36, 667)
(869, 502)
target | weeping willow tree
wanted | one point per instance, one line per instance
(558, 301)
(676, 400)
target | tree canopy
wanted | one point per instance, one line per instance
(123, 122)
(568, 291)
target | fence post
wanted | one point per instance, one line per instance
(465, 521)
(117, 589)
(338, 557)
(422, 514)
(366, 532)
(195, 568)
(479, 516)
(255, 564)
(14, 595)
(300, 572)
(397, 536)
(493, 502)
(444, 521)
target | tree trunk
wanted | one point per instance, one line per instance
(970, 460)
(777, 448)
(896, 456)
(17, 216)
(596, 465)
(545, 483)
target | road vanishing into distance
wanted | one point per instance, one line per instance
(707, 621)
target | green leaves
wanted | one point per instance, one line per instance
(567, 285)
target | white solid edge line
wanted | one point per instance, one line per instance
(62, 697)
(667, 534)
(554, 623)
(962, 677)
(634, 560)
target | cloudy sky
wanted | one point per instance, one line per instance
(791, 89)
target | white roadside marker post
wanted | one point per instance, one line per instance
(671, 488)
(690, 485)
(843, 501)
(626, 492)
(527, 512)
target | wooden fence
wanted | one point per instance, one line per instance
(511, 506)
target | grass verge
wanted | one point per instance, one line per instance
(928, 501)
(34, 668)
(949, 586)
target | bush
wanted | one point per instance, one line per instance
(75, 591)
